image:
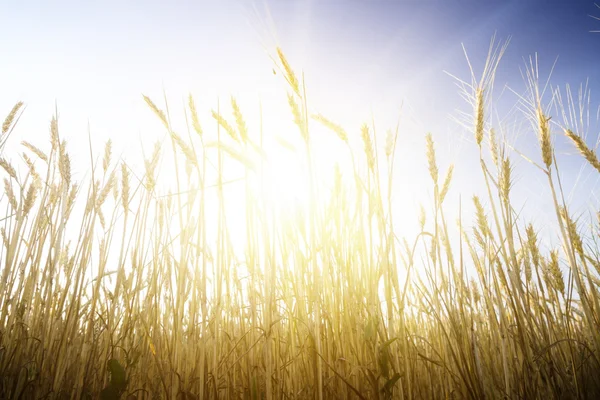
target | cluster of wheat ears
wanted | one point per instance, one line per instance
(330, 303)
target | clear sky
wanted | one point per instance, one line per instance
(360, 58)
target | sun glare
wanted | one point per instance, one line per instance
(267, 236)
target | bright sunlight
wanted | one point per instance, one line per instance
(299, 200)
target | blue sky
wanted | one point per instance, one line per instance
(361, 58)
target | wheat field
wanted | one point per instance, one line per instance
(150, 300)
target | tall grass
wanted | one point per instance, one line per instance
(152, 301)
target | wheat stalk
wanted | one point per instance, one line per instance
(337, 129)
(544, 137)
(368, 146)
(239, 120)
(585, 151)
(194, 113)
(8, 168)
(289, 73)
(225, 125)
(479, 115)
(8, 121)
(433, 169)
